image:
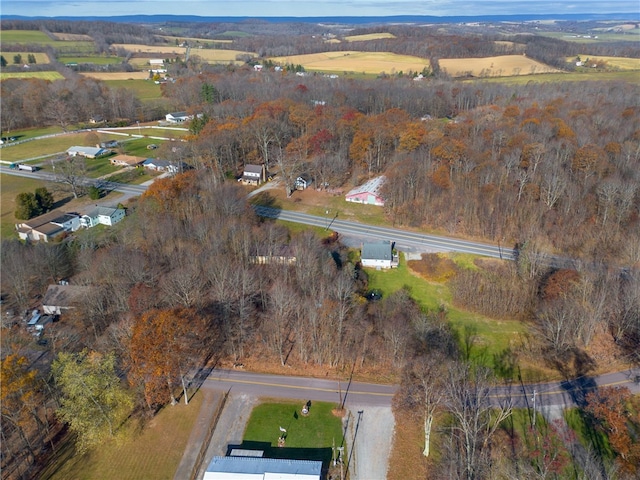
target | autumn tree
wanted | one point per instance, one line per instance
(616, 413)
(164, 344)
(93, 401)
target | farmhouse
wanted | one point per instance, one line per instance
(102, 216)
(88, 152)
(258, 468)
(126, 160)
(253, 175)
(178, 117)
(303, 181)
(368, 193)
(378, 255)
(48, 226)
(63, 297)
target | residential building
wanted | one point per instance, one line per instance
(369, 193)
(126, 160)
(378, 255)
(257, 468)
(178, 117)
(303, 181)
(48, 226)
(159, 165)
(102, 216)
(253, 175)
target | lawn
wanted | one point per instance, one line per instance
(152, 450)
(40, 75)
(10, 187)
(488, 341)
(307, 438)
(95, 59)
(144, 89)
(98, 167)
(41, 148)
(25, 36)
(589, 437)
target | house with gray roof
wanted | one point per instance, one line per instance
(378, 255)
(48, 226)
(88, 152)
(258, 468)
(102, 216)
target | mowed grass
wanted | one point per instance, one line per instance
(95, 59)
(10, 187)
(117, 75)
(152, 450)
(144, 89)
(24, 36)
(40, 75)
(490, 338)
(355, 61)
(499, 66)
(41, 148)
(369, 36)
(308, 437)
(208, 54)
(41, 58)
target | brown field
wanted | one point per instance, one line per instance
(623, 63)
(172, 39)
(207, 54)
(501, 66)
(369, 36)
(72, 37)
(41, 58)
(117, 75)
(332, 40)
(354, 61)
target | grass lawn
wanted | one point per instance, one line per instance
(10, 187)
(492, 339)
(41, 75)
(308, 437)
(97, 167)
(145, 90)
(152, 450)
(588, 436)
(135, 176)
(34, 132)
(96, 59)
(41, 148)
(25, 36)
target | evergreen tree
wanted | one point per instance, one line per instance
(3, 61)
(26, 206)
(44, 199)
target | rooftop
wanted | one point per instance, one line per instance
(372, 186)
(377, 251)
(257, 466)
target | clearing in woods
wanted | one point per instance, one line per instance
(207, 54)
(369, 36)
(500, 66)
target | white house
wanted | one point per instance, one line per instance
(178, 117)
(378, 255)
(303, 181)
(369, 193)
(159, 165)
(257, 468)
(102, 216)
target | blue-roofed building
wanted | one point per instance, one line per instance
(256, 468)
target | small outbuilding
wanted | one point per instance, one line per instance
(88, 152)
(60, 298)
(303, 181)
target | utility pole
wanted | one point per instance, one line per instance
(533, 423)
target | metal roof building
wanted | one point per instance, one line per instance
(255, 468)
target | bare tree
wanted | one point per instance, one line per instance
(72, 172)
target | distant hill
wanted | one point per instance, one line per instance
(409, 19)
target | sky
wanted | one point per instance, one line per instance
(311, 8)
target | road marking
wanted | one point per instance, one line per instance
(299, 387)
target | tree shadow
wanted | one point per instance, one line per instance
(318, 454)
(62, 202)
(576, 366)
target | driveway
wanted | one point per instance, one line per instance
(369, 437)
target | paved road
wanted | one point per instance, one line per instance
(303, 388)
(562, 394)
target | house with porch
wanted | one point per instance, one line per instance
(102, 216)
(178, 117)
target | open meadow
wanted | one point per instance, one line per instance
(207, 54)
(95, 59)
(117, 75)
(622, 63)
(41, 58)
(355, 61)
(40, 75)
(499, 66)
(192, 40)
(369, 36)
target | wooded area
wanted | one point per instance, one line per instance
(546, 168)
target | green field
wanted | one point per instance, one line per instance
(308, 437)
(41, 75)
(45, 147)
(97, 59)
(491, 337)
(98, 167)
(630, 36)
(145, 90)
(10, 187)
(24, 36)
(150, 449)
(41, 58)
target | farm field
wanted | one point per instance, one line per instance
(207, 54)
(40, 75)
(97, 59)
(623, 63)
(500, 66)
(72, 37)
(144, 89)
(354, 61)
(173, 38)
(117, 75)
(369, 36)
(41, 148)
(25, 36)
(41, 58)
(624, 76)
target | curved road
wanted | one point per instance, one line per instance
(552, 394)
